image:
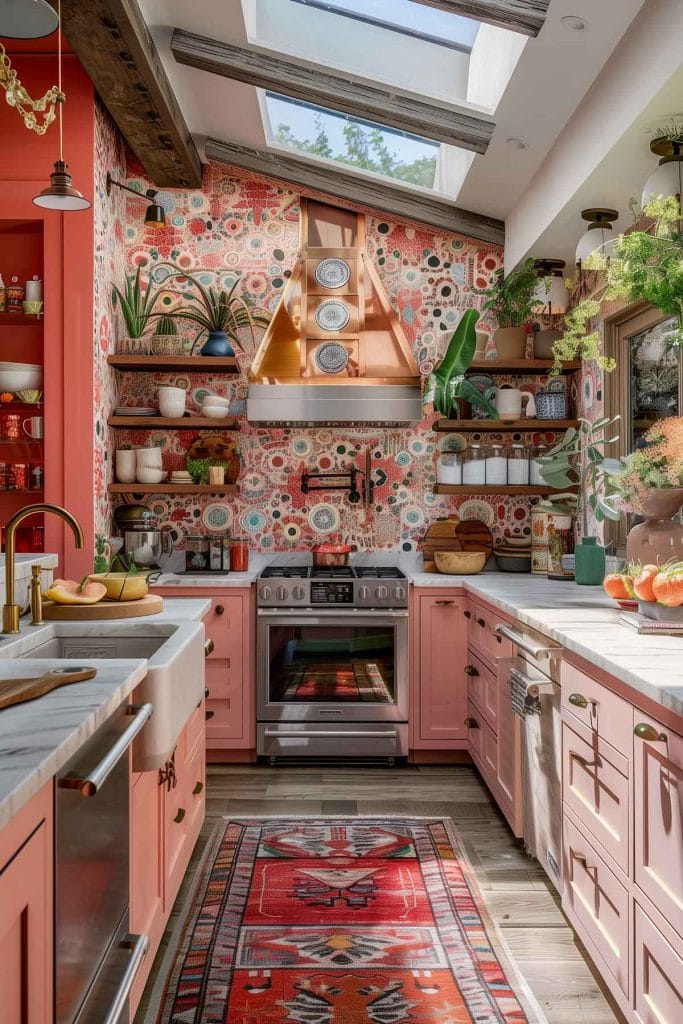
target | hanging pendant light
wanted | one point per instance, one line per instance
(60, 193)
(27, 19)
(667, 180)
(598, 234)
(551, 292)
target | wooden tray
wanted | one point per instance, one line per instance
(453, 534)
(16, 691)
(149, 605)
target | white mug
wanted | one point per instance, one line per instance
(148, 457)
(35, 427)
(171, 401)
(509, 402)
(126, 465)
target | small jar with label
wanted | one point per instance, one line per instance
(518, 465)
(474, 466)
(535, 477)
(197, 554)
(496, 465)
(449, 468)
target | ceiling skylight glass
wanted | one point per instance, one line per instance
(336, 136)
(405, 16)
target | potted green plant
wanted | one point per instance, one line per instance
(448, 383)
(220, 313)
(136, 301)
(166, 341)
(511, 300)
(579, 459)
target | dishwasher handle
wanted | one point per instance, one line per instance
(92, 783)
(538, 651)
(138, 946)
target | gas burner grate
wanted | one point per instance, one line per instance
(379, 572)
(333, 572)
(286, 572)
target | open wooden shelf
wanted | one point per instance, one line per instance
(182, 423)
(20, 319)
(539, 492)
(172, 488)
(522, 365)
(191, 364)
(528, 425)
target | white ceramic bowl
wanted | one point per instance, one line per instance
(20, 376)
(216, 400)
(149, 457)
(215, 412)
(148, 475)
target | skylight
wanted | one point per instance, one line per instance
(336, 136)
(406, 17)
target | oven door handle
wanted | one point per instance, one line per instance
(333, 613)
(329, 733)
(138, 946)
(538, 651)
(92, 783)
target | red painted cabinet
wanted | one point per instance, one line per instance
(26, 914)
(439, 650)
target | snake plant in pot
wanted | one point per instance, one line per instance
(448, 383)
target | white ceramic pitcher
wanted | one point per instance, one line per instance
(509, 402)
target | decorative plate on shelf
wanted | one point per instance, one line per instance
(331, 357)
(332, 273)
(332, 315)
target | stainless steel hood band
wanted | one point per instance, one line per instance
(334, 403)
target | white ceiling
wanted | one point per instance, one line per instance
(553, 75)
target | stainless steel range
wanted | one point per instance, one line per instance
(332, 662)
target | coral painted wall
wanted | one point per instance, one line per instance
(249, 224)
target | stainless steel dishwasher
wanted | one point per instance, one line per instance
(96, 959)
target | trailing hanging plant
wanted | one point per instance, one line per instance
(136, 301)
(511, 299)
(448, 382)
(578, 342)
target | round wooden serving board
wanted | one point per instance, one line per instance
(453, 534)
(149, 605)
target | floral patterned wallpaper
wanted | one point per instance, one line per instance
(240, 222)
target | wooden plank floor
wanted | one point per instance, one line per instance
(520, 899)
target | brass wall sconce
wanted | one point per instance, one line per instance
(155, 215)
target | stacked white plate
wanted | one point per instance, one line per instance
(135, 410)
(181, 477)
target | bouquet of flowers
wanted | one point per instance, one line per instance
(658, 464)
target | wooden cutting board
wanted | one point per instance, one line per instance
(453, 534)
(16, 691)
(151, 604)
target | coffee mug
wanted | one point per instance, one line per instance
(34, 428)
(171, 401)
(125, 462)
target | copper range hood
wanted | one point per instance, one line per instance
(334, 352)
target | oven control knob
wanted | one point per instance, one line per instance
(399, 593)
(265, 593)
(382, 593)
(281, 593)
(364, 593)
(299, 593)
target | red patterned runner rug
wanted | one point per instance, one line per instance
(338, 921)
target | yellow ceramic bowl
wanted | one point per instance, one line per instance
(121, 586)
(460, 563)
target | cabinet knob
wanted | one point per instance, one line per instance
(198, 788)
(180, 815)
(219, 609)
(648, 732)
(470, 670)
(468, 614)
(471, 723)
(578, 700)
(209, 647)
(481, 622)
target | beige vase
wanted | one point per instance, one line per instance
(659, 539)
(510, 342)
(543, 343)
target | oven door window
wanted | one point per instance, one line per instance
(331, 664)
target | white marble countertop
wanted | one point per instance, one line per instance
(23, 563)
(37, 738)
(209, 581)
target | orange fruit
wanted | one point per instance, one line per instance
(668, 586)
(642, 583)
(619, 586)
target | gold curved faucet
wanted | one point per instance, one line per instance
(11, 611)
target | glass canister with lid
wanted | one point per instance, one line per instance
(518, 465)
(536, 453)
(474, 465)
(496, 465)
(449, 468)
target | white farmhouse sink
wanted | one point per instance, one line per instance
(174, 683)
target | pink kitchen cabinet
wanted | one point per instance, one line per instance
(146, 869)
(26, 913)
(658, 976)
(439, 687)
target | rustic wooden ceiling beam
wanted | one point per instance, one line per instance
(310, 84)
(525, 16)
(359, 189)
(114, 46)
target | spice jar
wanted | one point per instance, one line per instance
(197, 554)
(535, 477)
(239, 555)
(496, 465)
(18, 477)
(449, 468)
(11, 427)
(518, 465)
(474, 465)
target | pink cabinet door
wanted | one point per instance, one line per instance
(230, 672)
(658, 975)
(26, 911)
(658, 824)
(509, 764)
(146, 869)
(225, 721)
(441, 681)
(482, 687)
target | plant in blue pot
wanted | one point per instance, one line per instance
(221, 313)
(579, 460)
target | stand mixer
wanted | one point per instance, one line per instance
(143, 542)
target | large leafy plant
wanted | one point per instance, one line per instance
(579, 459)
(211, 308)
(511, 299)
(136, 301)
(448, 382)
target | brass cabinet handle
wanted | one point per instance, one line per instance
(444, 603)
(648, 732)
(471, 723)
(468, 614)
(219, 609)
(209, 647)
(578, 700)
(470, 670)
(206, 691)
(180, 815)
(481, 622)
(197, 789)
